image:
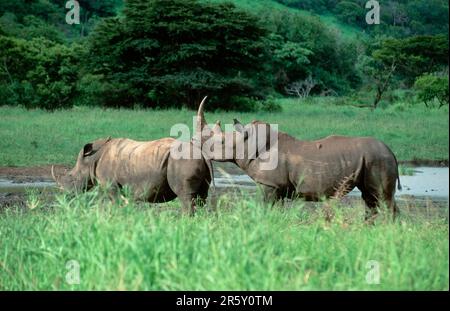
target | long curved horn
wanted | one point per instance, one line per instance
(201, 121)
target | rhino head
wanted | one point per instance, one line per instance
(82, 176)
(242, 144)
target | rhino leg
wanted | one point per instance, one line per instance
(189, 179)
(192, 193)
(271, 195)
(389, 199)
(190, 202)
(378, 189)
(372, 204)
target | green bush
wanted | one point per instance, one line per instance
(430, 87)
(38, 73)
(270, 105)
(96, 90)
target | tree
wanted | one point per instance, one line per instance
(174, 52)
(414, 56)
(302, 45)
(382, 76)
(404, 59)
(398, 13)
(301, 89)
(432, 86)
(351, 12)
(400, 18)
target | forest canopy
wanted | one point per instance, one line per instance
(171, 53)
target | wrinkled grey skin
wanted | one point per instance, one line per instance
(329, 167)
(146, 167)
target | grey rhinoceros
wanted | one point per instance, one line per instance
(329, 167)
(147, 167)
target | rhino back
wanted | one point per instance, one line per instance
(321, 166)
(141, 165)
(318, 167)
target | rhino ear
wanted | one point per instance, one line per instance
(88, 149)
(91, 148)
(217, 129)
(238, 126)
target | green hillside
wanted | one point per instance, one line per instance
(330, 20)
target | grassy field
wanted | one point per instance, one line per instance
(233, 244)
(34, 137)
(240, 245)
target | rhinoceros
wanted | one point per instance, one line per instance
(147, 167)
(328, 167)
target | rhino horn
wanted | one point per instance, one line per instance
(201, 121)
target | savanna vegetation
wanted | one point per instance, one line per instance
(170, 53)
(88, 242)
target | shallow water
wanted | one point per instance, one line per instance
(426, 182)
(9, 186)
(430, 182)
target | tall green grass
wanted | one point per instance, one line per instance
(239, 245)
(34, 137)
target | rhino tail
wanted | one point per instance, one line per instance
(399, 185)
(211, 172)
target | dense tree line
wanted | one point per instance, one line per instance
(170, 53)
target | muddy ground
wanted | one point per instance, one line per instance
(31, 174)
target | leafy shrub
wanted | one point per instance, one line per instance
(96, 90)
(430, 87)
(270, 105)
(38, 73)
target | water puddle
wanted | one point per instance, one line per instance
(426, 182)
(430, 182)
(10, 186)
